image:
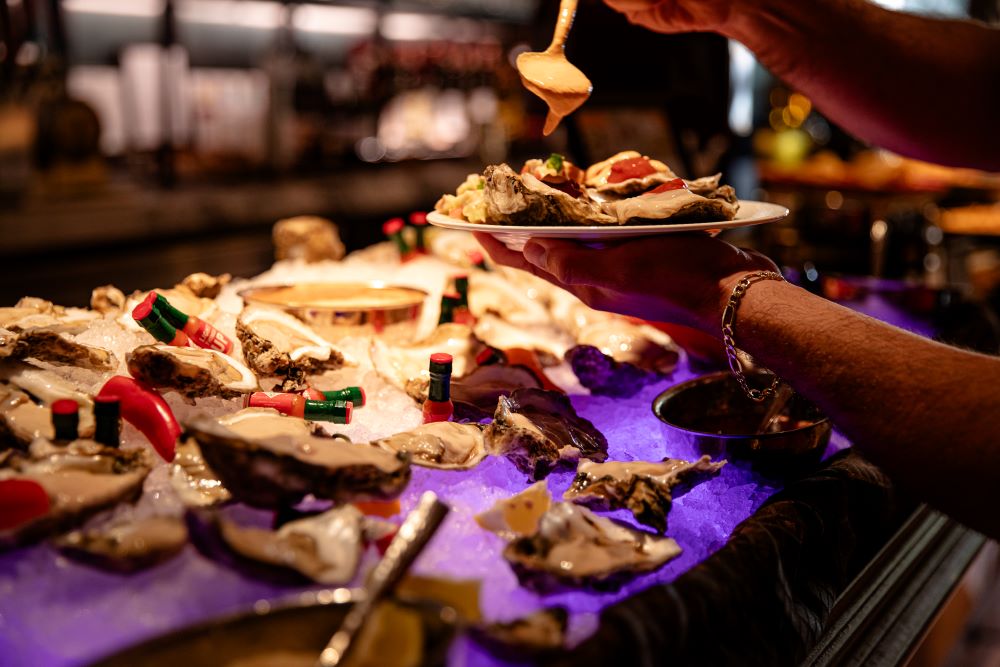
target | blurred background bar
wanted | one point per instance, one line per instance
(141, 140)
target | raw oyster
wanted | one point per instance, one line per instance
(548, 341)
(536, 429)
(268, 460)
(518, 515)
(49, 387)
(491, 293)
(645, 489)
(325, 548)
(512, 199)
(191, 372)
(128, 545)
(192, 479)
(205, 286)
(81, 479)
(671, 206)
(406, 366)
(444, 445)
(107, 299)
(575, 547)
(32, 313)
(53, 344)
(533, 636)
(21, 419)
(308, 238)
(275, 343)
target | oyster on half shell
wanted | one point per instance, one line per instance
(533, 636)
(444, 445)
(268, 460)
(536, 429)
(576, 548)
(275, 343)
(645, 489)
(21, 419)
(48, 387)
(195, 483)
(127, 545)
(81, 479)
(191, 372)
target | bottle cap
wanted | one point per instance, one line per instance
(393, 226)
(144, 309)
(65, 406)
(418, 218)
(441, 363)
(338, 412)
(355, 395)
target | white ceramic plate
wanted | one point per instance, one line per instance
(750, 213)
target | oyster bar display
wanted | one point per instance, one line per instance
(170, 467)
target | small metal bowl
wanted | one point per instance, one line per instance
(282, 633)
(338, 310)
(715, 415)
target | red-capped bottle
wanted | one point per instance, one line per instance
(355, 395)
(477, 260)
(297, 405)
(198, 330)
(448, 303)
(393, 228)
(151, 320)
(438, 406)
(419, 221)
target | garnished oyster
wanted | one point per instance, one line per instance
(81, 479)
(444, 445)
(645, 489)
(191, 372)
(127, 545)
(267, 460)
(536, 429)
(325, 548)
(275, 343)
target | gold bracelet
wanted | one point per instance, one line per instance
(729, 321)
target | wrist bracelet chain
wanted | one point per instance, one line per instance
(729, 321)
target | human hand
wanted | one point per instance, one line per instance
(680, 278)
(670, 16)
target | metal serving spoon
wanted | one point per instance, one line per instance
(413, 536)
(553, 78)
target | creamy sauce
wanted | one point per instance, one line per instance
(337, 296)
(549, 75)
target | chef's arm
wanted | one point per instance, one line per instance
(924, 412)
(924, 87)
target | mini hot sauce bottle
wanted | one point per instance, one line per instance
(393, 228)
(478, 261)
(151, 320)
(198, 330)
(438, 406)
(355, 395)
(448, 303)
(462, 314)
(297, 405)
(419, 221)
(107, 420)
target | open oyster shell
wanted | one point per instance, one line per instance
(49, 387)
(21, 419)
(325, 548)
(191, 372)
(475, 395)
(81, 479)
(512, 199)
(645, 489)
(548, 341)
(444, 445)
(535, 636)
(128, 545)
(576, 548)
(275, 343)
(536, 429)
(267, 460)
(195, 483)
(490, 292)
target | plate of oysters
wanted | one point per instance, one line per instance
(627, 195)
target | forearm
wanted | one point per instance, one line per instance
(923, 411)
(927, 88)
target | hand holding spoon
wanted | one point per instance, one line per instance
(553, 78)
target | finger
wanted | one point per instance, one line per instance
(500, 253)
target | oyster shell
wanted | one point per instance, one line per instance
(127, 545)
(191, 372)
(107, 299)
(536, 635)
(475, 395)
(49, 387)
(680, 205)
(645, 489)
(444, 445)
(308, 238)
(267, 460)
(195, 483)
(205, 286)
(32, 313)
(21, 419)
(406, 366)
(536, 429)
(639, 361)
(275, 343)
(576, 548)
(81, 479)
(512, 199)
(491, 293)
(325, 548)
(548, 341)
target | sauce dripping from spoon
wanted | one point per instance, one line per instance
(560, 84)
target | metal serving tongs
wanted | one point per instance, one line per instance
(413, 536)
